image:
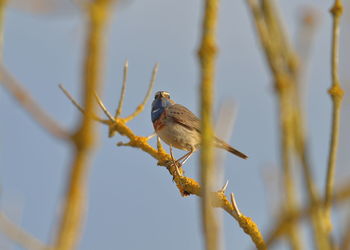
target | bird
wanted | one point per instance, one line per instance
(178, 127)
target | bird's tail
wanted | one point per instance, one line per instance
(221, 144)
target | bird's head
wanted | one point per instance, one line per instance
(161, 101)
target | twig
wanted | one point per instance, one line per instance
(18, 235)
(122, 93)
(103, 107)
(25, 100)
(74, 205)
(78, 106)
(140, 108)
(336, 93)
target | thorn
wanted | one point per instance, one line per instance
(223, 189)
(234, 204)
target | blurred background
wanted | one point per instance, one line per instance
(132, 202)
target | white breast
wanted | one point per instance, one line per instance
(179, 137)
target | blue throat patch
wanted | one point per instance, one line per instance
(158, 106)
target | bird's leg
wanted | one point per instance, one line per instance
(151, 136)
(173, 161)
(182, 157)
(185, 157)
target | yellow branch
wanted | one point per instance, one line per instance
(207, 55)
(84, 137)
(336, 93)
(342, 195)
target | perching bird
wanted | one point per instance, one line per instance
(179, 127)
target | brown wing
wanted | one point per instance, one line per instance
(183, 116)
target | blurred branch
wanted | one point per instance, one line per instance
(340, 196)
(207, 55)
(18, 235)
(336, 93)
(186, 186)
(84, 136)
(285, 70)
(282, 62)
(25, 100)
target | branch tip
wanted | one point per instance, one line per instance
(123, 91)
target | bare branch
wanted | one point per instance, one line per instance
(140, 108)
(103, 107)
(68, 233)
(122, 93)
(25, 100)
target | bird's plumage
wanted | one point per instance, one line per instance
(179, 127)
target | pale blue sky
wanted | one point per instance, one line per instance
(133, 203)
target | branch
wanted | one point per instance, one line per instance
(341, 195)
(207, 55)
(16, 234)
(78, 106)
(280, 59)
(25, 100)
(283, 65)
(122, 93)
(83, 139)
(336, 93)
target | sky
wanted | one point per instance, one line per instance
(132, 202)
